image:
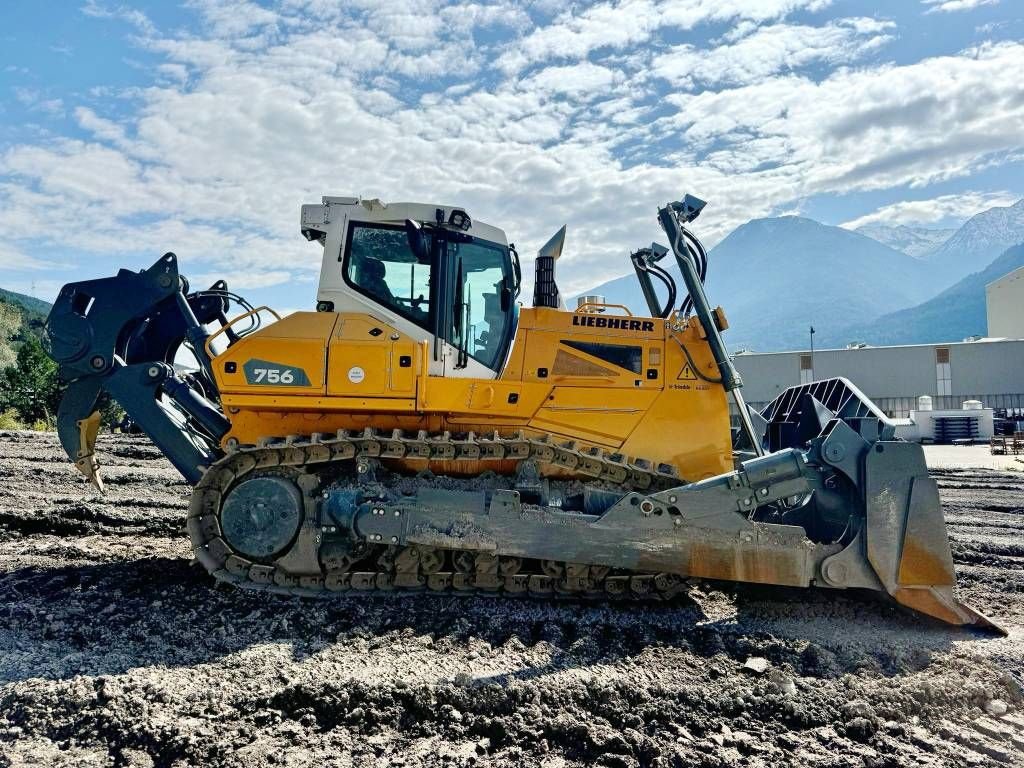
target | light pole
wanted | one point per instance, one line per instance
(812, 351)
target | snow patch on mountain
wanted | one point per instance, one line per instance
(919, 242)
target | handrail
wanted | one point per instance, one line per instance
(424, 373)
(231, 322)
(580, 309)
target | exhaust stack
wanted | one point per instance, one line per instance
(545, 290)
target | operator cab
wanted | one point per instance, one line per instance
(427, 270)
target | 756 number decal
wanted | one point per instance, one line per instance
(268, 374)
(274, 375)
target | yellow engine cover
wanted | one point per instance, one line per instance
(644, 387)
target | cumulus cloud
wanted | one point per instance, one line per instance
(235, 18)
(465, 17)
(772, 49)
(566, 124)
(865, 128)
(14, 260)
(575, 79)
(948, 6)
(576, 33)
(955, 208)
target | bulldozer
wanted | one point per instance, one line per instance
(423, 430)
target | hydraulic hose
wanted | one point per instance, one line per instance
(693, 366)
(670, 286)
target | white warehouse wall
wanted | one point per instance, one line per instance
(884, 373)
(1004, 299)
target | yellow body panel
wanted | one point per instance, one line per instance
(369, 358)
(622, 383)
(294, 342)
(688, 424)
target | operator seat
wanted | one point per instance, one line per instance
(371, 280)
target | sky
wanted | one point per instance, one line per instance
(129, 130)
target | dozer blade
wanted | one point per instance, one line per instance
(842, 512)
(903, 536)
(907, 544)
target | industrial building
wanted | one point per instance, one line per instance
(990, 370)
(1004, 303)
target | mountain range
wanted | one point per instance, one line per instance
(953, 315)
(981, 239)
(879, 284)
(29, 303)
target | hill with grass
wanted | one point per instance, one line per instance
(21, 317)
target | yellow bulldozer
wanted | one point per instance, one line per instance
(422, 430)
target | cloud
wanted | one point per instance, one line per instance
(573, 36)
(959, 208)
(133, 16)
(947, 6)
(771, 49)
(35, 101)
(100, 127)
(465, 17)
(15, 260)
(617, 25)
(234, 18)
(863, 129)
(576, 79)
(242, 281)
(244, 122)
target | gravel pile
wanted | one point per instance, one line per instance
(116, 650)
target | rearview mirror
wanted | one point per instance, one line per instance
(417, 243)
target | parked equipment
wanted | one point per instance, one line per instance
(422, 430)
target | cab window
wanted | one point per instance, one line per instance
(380, 265)
(485, 272)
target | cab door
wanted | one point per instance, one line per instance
(477, 317)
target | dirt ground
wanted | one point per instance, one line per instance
(116, 650)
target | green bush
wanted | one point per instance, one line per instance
(9, 420)
(31, 387)
(10, 328)
(111, 414)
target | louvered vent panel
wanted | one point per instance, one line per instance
(567, 364)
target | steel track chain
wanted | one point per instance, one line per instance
(417, 569)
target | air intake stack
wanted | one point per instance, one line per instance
(545, 289)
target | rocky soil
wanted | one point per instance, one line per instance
(116, 650)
